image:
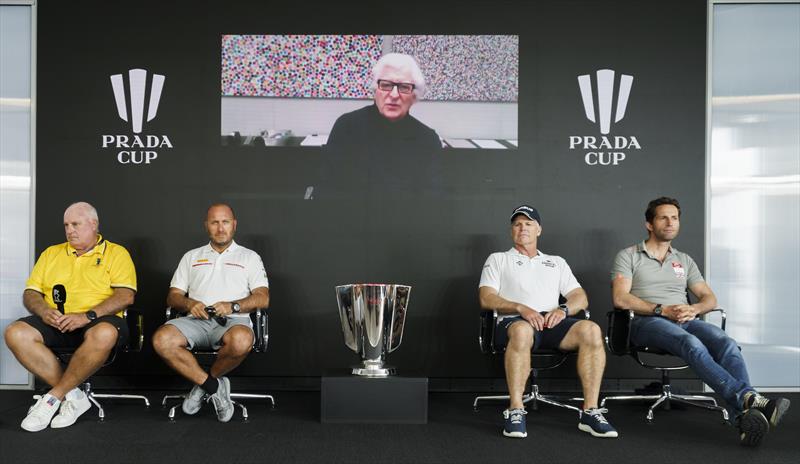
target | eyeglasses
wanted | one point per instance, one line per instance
(402, 87)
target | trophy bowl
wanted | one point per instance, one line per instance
(372, 317)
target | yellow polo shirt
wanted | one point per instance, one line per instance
(88, 279)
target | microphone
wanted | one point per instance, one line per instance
(59, 297)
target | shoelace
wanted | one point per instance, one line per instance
(597, 413)
(759, 401)
(516, 415)
(35, 409)
(68, 408)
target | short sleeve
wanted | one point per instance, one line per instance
(623, 265)
(122, 270)
(567, 281)
(490, 275)
(693, 275)
(180, 279)
(36, 280)
(257, 275)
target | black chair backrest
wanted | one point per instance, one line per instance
(618, 335)
(486, 334)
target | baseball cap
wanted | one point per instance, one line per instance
(529, 212)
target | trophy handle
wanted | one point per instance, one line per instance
(348, 317)
(398, 299)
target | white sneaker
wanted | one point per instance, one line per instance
(39, 414)
(194, 400)
(71, 410)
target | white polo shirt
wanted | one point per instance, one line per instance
(210, 277)
(535, 282)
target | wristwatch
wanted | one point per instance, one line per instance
(564, 308)
(235, 307)
(657, 310)
(91, 315)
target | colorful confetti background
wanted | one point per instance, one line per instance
(456, 67)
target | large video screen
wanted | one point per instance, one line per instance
(290, 90)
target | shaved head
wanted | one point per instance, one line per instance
(83, 208)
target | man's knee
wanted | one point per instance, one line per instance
(520, 335)
(589, 334)
(19, 334)
(167, 338)
(103, 336)
(239, 340)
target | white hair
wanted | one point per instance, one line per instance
(402, 62)
(86, 209)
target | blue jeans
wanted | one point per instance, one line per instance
(710, 352)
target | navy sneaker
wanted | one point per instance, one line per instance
(592, 421)
(515, 423)
(753, 427)
(773, 410)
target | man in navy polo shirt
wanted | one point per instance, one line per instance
(524, 285)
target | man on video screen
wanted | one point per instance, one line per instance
(398, 82)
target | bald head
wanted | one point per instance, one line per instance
(221, 226)
(81, 226)
(220, 206)
(83, 209)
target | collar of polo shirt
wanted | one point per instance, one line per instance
(96, 249)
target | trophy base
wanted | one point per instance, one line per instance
(374, 371)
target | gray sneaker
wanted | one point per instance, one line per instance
(222, 400)
(193, 401)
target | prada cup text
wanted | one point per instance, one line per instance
(137, 149)
(605, 150)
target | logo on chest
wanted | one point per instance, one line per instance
(677, 267)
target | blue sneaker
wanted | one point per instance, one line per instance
(592, 421)
(515, 423)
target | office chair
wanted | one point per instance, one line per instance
(550, 359)
(618, 341)
(135, 321)
(260, 322)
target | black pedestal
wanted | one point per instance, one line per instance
(392, 400)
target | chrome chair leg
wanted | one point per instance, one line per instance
(245, 417)
(100, 413)
(531, 397)
(255, 396)
(124, 397)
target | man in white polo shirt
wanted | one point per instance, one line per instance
(524, 285)
(230, 279)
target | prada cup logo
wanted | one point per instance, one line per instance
(605, 94)
(604, 150)
(136, 148)
(137, 83)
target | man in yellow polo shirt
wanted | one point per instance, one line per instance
(75, 295)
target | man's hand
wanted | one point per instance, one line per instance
(223, 308)
(679, 313)
(72, 322)
(52, 317)
(198, 310)
(552, 318)
(532, 316)
(683, 312)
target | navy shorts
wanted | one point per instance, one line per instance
(547, 339)
(53, 338)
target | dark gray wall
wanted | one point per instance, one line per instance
(430, 231)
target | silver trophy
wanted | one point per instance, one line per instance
(372, 318)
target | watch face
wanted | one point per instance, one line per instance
(235, 307)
